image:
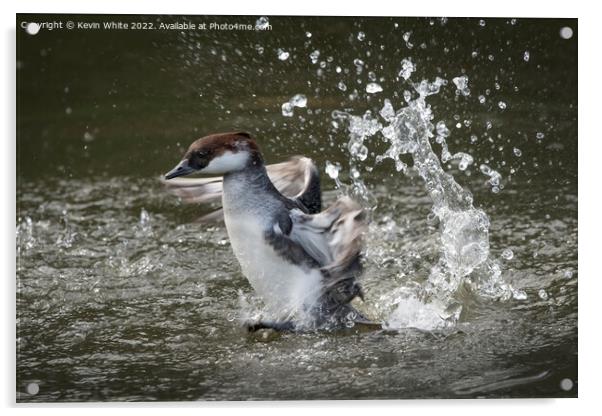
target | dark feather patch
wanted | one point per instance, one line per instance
(289, 250)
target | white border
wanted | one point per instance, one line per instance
(590, 151)
(552, 8)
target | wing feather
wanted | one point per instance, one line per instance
(334, 239)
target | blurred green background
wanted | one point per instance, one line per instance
(128, 102)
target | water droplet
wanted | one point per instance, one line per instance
(387, 112)
(359, 65)
(566, 32)
(262, 23)
(287, 109)
(442, 129)
(406, 39)
(526, 56)
(68, 110)
(407, 68)
(507, 254)
(299, 100)
(332, 170)
(340, 115)
(341, 85)
(494, 177)
(482, 23)
(517, 152)
(373, 88)
(568, 274)
(485, 169)
(308, 34)
(465, 160)
(461, 85)
(361, 36)
(482, 99)
(144, 217)
(282, 54)
(361, 153)
(501, 105)
(540, 135)
(542, 294)
(314, 56)
(519, 294)
(407, 96)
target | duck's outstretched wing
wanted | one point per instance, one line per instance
(297, 178)
(330, 240)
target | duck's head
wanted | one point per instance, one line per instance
(218, 154)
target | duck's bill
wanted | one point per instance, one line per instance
(182, 169)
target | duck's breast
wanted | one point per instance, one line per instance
(285, 287)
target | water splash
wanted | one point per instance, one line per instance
(25, 234)
(463, 229)
(145, 221)
(411, 312)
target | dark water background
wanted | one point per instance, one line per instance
(121, 297)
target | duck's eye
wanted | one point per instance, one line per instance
(201, 154)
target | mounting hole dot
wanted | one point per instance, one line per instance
(32, 388)
(32, 28)
(566, 32)
(566, 384)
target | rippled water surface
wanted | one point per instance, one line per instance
(121, 295)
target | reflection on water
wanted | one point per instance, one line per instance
(122, 296)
